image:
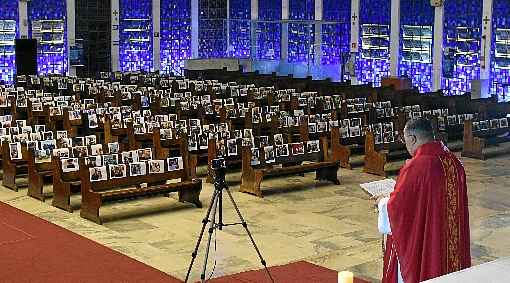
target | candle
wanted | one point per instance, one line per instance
(345, 277)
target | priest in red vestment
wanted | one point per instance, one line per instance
(427, 213)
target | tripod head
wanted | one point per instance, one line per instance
(220, 169)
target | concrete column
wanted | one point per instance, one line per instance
(486, 44)
(253, 28)
(194, 29)
(355, 4)
(23, 18)
(156, 39)
(318, 32)
(395, 38)
(437, 50)
(71, 32)
(285, 32)
(115, 5)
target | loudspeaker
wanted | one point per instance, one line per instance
(26, 57)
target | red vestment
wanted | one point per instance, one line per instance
(428, 213)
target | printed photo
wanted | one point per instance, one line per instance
(90, 140)
(15, 151)
(80, 151)
(255, 156)
(96, 149)
(113, 147)
(49, 145)
(98, 174)
(156, 166)
(282, 150)
(32, 145)
(93, 121)
(129, 156)
(110, 159)
(174, 163)
(297, 148)
(232, 147)
(312, 146)
(165, 134)
(61, 152)
(93, 161)
(117, 171)
(42, 156)
(503, 122)
(269, 154)
(70, 164)
(74, 115)
(137, 168)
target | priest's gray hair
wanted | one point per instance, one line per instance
(421, 128)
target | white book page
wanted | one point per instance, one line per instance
(379, 188)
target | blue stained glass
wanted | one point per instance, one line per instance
(335, 37)
(301, 35)
(240, 15)
(416, 20)
(9, 25)
(373, 62)
(48, 25)
(135, 35)
(462, 33)
(500, 51)
(212, 31)
(269, 33)
(175, 35)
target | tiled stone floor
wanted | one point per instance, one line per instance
(332, 226)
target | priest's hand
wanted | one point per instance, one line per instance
(377, 200)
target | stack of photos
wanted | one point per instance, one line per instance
(98, 174)
(70, 165)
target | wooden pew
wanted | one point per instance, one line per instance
(378, 162)
(64, 185)
(13, 169)
(37, 172)
(94, 194)
(322, 164)
(483, 144)
(339, 151)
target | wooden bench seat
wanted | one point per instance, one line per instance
(94, 194)
(326, 167)
(64, 185)
(485, 144)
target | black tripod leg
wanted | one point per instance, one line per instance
(204, 223)
(212, 223)
(262, 261)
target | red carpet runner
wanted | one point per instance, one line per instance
(298, 272)
(34, 250)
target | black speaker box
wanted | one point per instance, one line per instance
(26, 57)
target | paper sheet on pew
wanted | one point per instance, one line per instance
(379, 188)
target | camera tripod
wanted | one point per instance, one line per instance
(216, 207)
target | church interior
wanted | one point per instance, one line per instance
(251, 140)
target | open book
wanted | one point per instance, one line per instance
(379, 188)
